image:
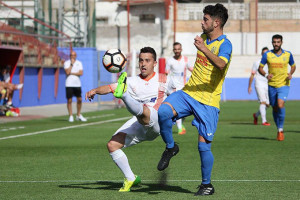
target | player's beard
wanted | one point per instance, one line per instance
(208, 29)
(277, 48)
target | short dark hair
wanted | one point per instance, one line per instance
(218, 11)
(176, 43)
(149, 50)
(277, 36)
(264, 48)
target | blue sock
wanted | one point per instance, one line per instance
(165, 115)
(281, 117)
(207, 161)
(275, 117)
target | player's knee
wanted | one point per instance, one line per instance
(203, 146)
(165, 112)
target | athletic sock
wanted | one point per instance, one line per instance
(262, 109)
(179, 124)
(257, 113)
(132, 105)
(120, 158)
(275, 117)
(165, 115)
(281, 117)
(207, 161)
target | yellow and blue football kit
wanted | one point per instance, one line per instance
(205, 84)
(279, 83)
(278, 66)
(199, 97)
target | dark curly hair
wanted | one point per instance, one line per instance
(217, 11)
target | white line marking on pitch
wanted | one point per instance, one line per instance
(100, 116)
(64, 128)
(79, 181)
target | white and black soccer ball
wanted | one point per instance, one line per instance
(114, 60)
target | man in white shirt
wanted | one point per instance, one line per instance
(74, 70)
(261, 87)
(176, 67)
(142, 95)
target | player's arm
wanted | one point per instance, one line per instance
(214, 59)
(250, 83)
(261, 70)
(293, 67)
(101, 90)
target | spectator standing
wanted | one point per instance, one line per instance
(74, 70)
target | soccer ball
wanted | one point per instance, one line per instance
(114, 60)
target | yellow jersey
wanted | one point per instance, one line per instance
(278, 66)
(205, 83)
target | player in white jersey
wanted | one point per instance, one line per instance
(176, 67)
(261, 87)
(142, 96)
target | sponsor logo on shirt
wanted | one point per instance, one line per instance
(153, 99)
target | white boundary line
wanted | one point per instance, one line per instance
(80, 181)
(63, 128)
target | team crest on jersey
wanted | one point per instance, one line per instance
(213, 50)
(284, 59)
(153, 99)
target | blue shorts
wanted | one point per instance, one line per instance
(205, 117)
(278, 93)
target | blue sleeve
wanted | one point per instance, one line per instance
(264, 59)
(225, 49)
(291, 62)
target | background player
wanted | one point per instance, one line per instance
(201, 95)
(261, 88)
(176, 70)
(142, 96)
(278, 80)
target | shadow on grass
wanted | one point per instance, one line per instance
(291, 131)
(242, 123)
(253, 138)
(150, 188)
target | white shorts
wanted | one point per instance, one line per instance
(136, 132)
(174, 86)
(262, 93)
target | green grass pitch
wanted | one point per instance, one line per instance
(55, 159)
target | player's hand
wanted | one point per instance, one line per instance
(289, 77)
(90, 95)
(249, 90)
(270, 76)
(199, 43)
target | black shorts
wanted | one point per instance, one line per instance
(73, 91)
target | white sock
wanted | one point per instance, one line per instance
(120, 158)
(179, 124)
(262, 109)
(20, 86)
(280, 129)
(132, 105)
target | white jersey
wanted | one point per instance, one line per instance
(73, 80)
(260, 80)
(151, 92)
(177, 72)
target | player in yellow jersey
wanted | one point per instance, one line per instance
(279, 77)
(201, 95)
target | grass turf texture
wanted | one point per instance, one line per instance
(74, 164)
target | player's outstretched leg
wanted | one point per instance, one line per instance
(165, 115)
(122, 86)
